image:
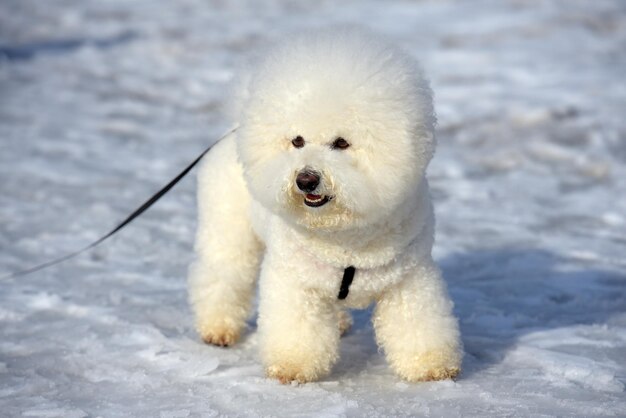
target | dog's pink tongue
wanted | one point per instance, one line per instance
(313, 196)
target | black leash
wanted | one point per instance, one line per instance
(125, 222)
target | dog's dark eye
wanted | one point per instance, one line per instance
(340, 143)
(298, 142)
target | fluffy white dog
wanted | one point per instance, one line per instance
(322, 194)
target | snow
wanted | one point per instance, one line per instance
(101, 103)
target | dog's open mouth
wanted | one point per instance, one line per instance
(315, 200)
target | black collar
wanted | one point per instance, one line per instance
(346, 281)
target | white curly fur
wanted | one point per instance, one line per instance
(253, 221)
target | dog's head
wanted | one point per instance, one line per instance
(337, 129)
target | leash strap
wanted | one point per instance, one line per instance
(346, 281)
(125, 222)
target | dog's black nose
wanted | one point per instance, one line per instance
(307, 180)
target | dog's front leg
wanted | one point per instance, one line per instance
(222, 278)
(416, 328)
(298, 328)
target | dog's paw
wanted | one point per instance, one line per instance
(287, 373)
(432, 365)
(442, 373)
(222, 336)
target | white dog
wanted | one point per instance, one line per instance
(322, 194)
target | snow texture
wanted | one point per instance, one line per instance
(102, 102)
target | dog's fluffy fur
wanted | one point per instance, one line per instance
(253, 220)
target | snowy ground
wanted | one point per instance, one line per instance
(101, 102)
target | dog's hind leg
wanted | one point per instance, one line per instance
(416, 328)
(221, 280)
(345, 321)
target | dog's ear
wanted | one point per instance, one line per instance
(238, 94)
(426, 145)
(426, 118)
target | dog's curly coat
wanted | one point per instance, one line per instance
(326, 171)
